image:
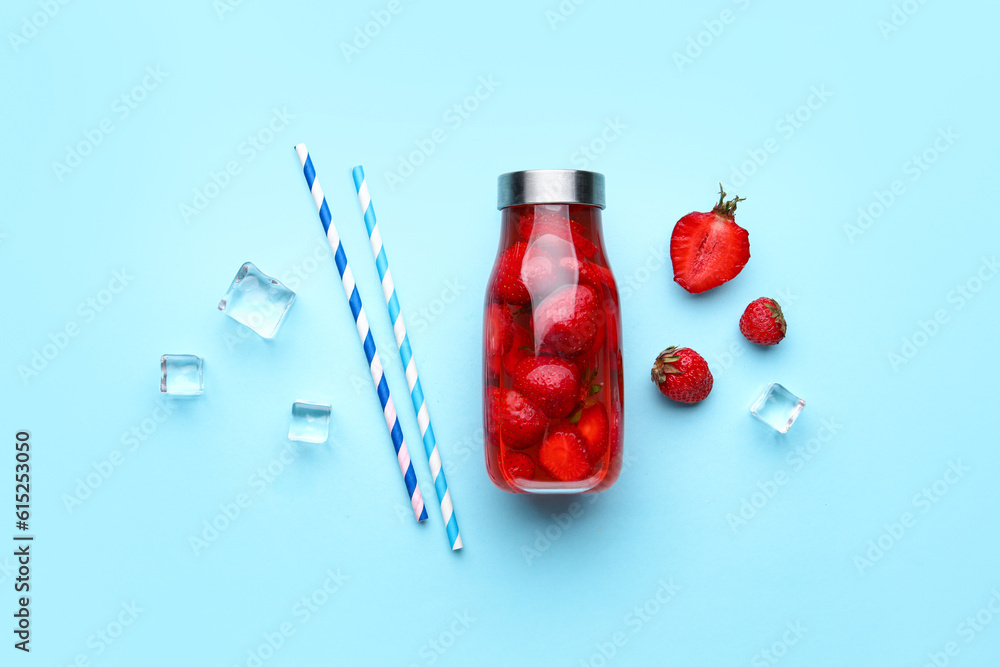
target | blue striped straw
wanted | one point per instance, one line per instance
(367, 341)
(406, 353)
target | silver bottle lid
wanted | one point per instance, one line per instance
(550, 186)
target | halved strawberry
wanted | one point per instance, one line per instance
(708, 249)
(516, 465)
(563, 454)
(593, 427)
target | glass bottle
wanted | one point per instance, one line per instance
(552, 360)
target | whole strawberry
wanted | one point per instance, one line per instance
(540, 272)
(708, 249)
(682, 374)
(508, 285)
(567, 322)
(593, 427)
(550, 383)
(516, 465)
(512, 419)
(763, 322)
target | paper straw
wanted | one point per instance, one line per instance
(365, 334)
(406, 354)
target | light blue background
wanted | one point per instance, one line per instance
(850, 301)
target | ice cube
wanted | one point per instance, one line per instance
(310, 422)
(257, 300)
(181, 374)
(777, 407)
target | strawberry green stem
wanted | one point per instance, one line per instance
(664, 365)
(727, 208)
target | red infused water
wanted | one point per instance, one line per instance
(552, 361)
